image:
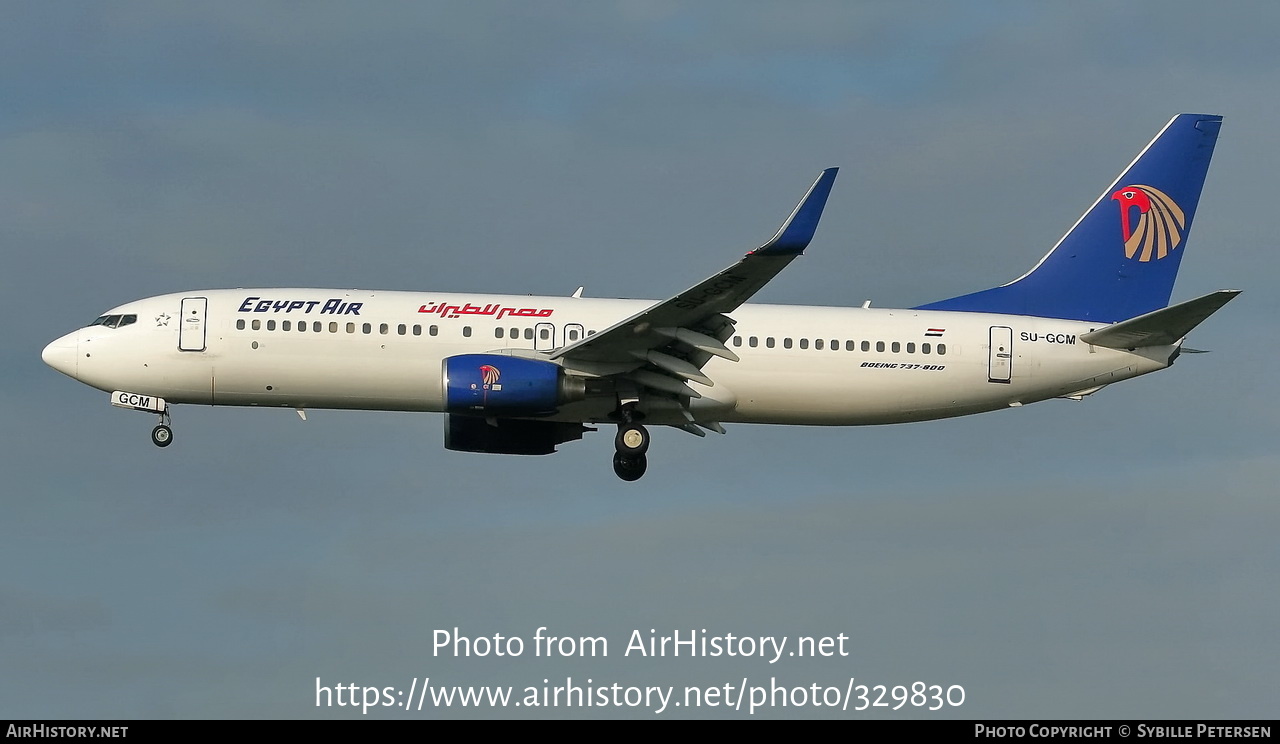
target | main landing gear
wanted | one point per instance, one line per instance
(629, 468)
(631, 443)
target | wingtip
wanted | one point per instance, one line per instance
(796, 233)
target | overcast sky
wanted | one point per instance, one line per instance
(1110, 558)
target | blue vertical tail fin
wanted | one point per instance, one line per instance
(1121, 258)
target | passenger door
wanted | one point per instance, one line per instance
(191, 329)
(1000, 359)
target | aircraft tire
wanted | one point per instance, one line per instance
(162, 436)
(629, 468)
(632, 440)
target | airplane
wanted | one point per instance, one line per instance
(521, 375)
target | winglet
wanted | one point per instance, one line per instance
(794, 235)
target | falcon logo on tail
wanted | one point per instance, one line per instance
(1160, 222)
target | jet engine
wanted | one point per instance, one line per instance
(497, 385)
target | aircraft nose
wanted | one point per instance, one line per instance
(61, 355)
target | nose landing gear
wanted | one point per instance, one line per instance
(162, 435)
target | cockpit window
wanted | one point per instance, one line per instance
(115, 321)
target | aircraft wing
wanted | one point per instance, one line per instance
(668, 343)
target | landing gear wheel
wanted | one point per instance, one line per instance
(629, 468)
(162, 436)
(632, 440)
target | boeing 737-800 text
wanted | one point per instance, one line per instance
(522, 375)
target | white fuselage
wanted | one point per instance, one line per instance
(384, 351)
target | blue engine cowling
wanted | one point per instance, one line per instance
(499, 384)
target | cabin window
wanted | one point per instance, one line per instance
(383, 328)
(786, 342)
(333, 326)
(849, 345)
(911, 348)
(866, 346)
(817, 344)
(367, 328)
(417, 330)
(499, 332)
(737, 340)
(433, 331)
(835, 345)
(942, 348)
(573, 334)
(895, 347)
(544, 334)
(351, 328)
(240, 324)
(402, 329)
(271, 325)
(879, 346)
(528, 333)
(769, 342)
(466, 331)
(257, 324)
(804, 343)
(753, 342)
(286, 325)
(316, 326)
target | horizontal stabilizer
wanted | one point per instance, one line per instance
(1161, 327)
